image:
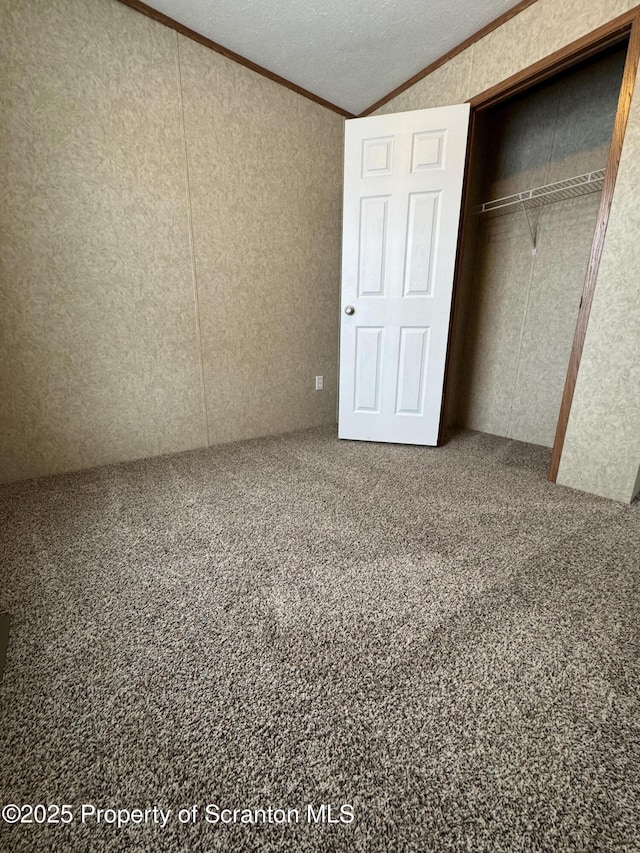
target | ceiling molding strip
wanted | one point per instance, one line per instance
(506, 16)
(229, 54)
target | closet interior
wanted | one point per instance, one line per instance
(534, 182)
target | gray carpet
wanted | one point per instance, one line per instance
(438, 638)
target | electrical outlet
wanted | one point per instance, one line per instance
(319, 383)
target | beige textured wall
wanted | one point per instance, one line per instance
(99, 357)
(266, 197)
(602, 445)
(125, 331)
(521, 319)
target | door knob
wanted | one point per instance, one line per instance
(349, 310)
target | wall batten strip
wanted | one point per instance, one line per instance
(192, 248)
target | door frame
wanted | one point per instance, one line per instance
(625, 26)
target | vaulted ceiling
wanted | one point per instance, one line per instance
(348, 52)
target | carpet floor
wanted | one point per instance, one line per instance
(356, 647)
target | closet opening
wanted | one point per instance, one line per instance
(543, 153)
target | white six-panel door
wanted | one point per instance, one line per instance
(402, 192)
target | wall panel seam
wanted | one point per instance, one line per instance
(472, 64)
(192, 248)
(523, 327)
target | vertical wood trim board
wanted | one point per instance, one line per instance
(613, 161)
(466, 230)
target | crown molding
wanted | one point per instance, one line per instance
(230, 54)
(489, 28)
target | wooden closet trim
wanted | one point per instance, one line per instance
(230, 54)
(613, 32)
(607, 35)
(611, 173)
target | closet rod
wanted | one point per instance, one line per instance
(573, 187)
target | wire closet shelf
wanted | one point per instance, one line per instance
(590, 182)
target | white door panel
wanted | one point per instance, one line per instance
(402, 193)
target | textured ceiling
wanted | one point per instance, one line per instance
(349, 52)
